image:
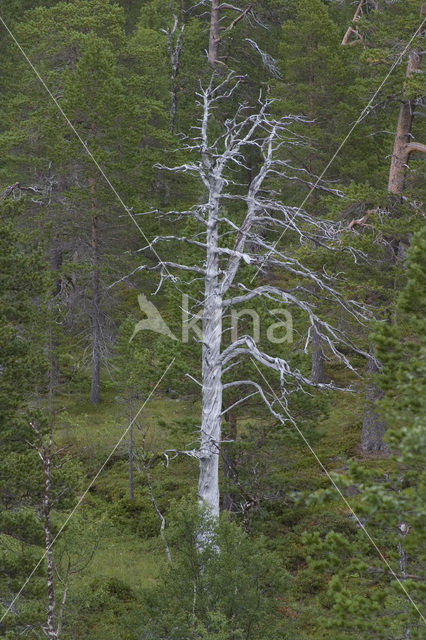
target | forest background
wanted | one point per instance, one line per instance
(158, 157)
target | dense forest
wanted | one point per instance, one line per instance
(212, 319)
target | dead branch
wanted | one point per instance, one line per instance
(351, 30)
(240, 17)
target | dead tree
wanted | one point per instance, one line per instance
(219, 164)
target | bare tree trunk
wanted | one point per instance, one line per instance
(96, 319)
(214, 35)
(373, 427)
(317, 366)
(211, 421)
(402, 144)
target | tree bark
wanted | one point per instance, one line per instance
(400, 149)
(214, 35)
(211, 421)
(96, 319)
(373, 427)
(402, 143)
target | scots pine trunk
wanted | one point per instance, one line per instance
(214, 35)
(402, 143)
(373, 427)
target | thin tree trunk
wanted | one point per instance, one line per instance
(63, 602)
(73, 296)
(373, 427)
(55, 263)
(96, 319)
(174, 51)
(317, 356)
(45, 453)
(214, 35)
(49, 557)
(159, 514)
(131, 493)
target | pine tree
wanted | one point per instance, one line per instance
(22, 366)
(390, 498)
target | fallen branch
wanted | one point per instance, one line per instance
(240, 17)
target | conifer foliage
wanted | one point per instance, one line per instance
(212, 319)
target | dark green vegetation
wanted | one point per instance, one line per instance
(288, 558)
